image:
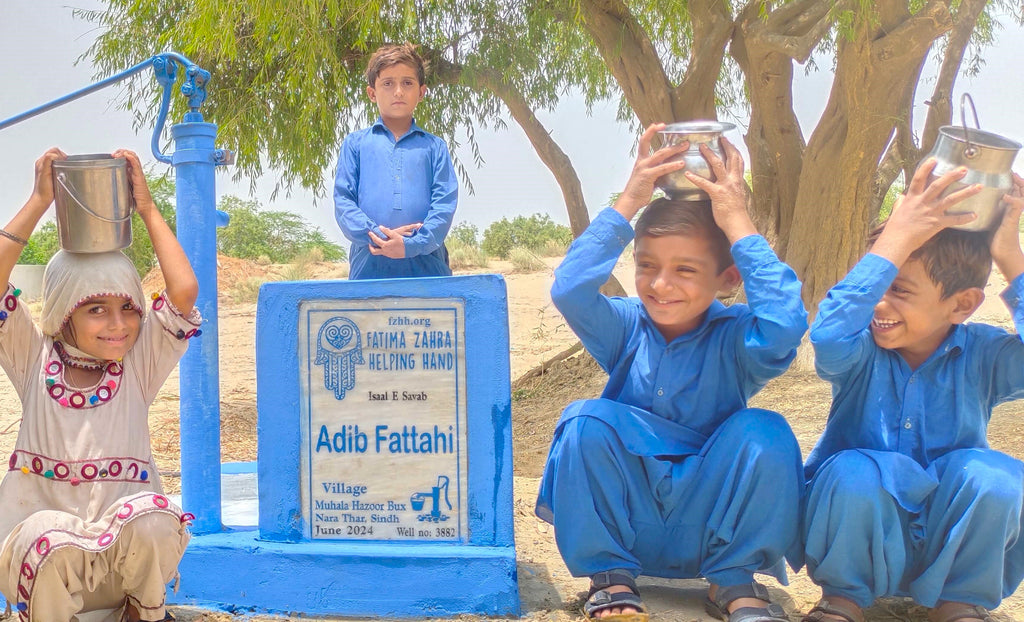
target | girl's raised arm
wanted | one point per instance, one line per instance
(179, 279)
(14, 236)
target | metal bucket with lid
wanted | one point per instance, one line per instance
(988, 157)
(93, 203)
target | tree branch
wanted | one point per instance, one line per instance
(630, 57)
(940, 107)
(795, 28)
(925, 26)
(547, 149)
(712, 26)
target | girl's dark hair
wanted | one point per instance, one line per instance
(666, 216)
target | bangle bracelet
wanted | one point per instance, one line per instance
(13, 238)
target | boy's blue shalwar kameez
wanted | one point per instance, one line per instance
(669, 474)
(904, 495)
(381, 181)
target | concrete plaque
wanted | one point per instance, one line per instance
(385, 451)
(383, 399)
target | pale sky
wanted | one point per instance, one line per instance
(40, 42)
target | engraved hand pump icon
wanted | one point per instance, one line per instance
(418, 498)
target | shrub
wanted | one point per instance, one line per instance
(42, 245)
(461, 256)
(299, 268)
(554, 248)
(525, 260)
(893, 193)
(532, 233)
(247, 290)
(280, 236)
(464, 234)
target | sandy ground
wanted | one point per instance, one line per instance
(537, 331)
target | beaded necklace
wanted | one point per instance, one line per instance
(73, 357)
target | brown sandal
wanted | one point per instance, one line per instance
(962, 611)
(827, 607)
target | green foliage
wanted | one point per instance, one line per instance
(141, 251)
(41, 245)
(531, 233)
(279, 236)
(893, 193)
(464, 233)
(286, 90)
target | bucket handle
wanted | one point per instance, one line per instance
(61, 178)
(970, 150)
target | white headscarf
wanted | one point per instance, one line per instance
(72, 278)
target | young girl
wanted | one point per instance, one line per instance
(85, 525)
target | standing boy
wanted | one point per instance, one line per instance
(905, 496)
(669, 474)
(395, 192)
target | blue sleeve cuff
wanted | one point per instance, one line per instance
(750, 252)
(611, 226)
(872, 273)
(1014, 293)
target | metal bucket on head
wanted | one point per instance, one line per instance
(94, 203)
(988, 158)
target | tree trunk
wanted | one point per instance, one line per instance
(634, 62)
(554, 158)
(765, 49)
(832, 213)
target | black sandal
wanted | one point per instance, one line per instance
(599, 599)
(719, 607)
(827, 607)
(962, 612)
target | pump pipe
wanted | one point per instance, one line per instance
(194, 160)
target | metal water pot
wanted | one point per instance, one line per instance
(988, 158)
(698, 133)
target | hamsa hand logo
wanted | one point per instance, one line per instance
(339, 348)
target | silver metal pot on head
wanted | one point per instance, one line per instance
(988, 158)
(698, 133)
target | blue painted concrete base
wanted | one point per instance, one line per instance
(236, 571)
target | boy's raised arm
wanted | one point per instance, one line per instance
(840, 330)
(730, 195)
(649, 166)
(576, 292)
(1005, 247)
(773, 290)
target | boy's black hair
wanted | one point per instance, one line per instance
(954, 259)
(666, 216)
(390, 55)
